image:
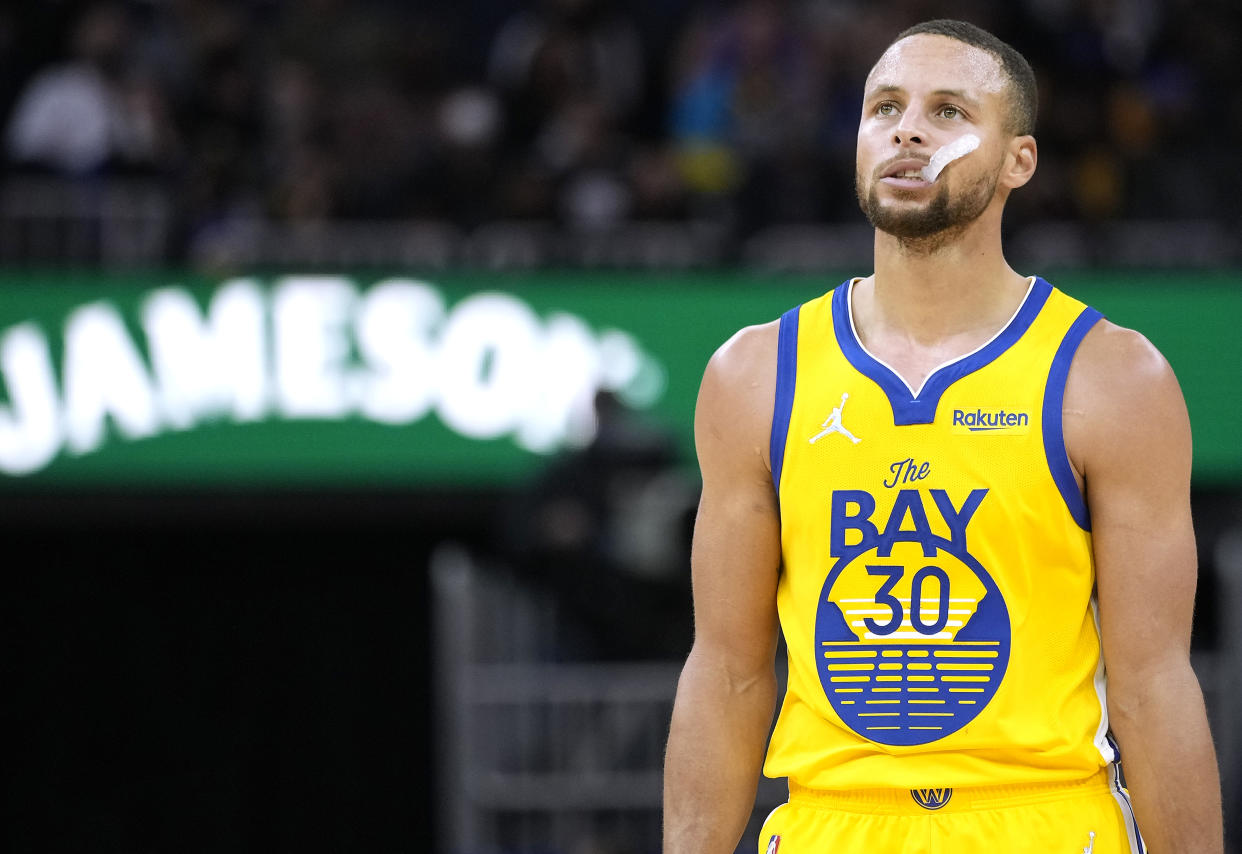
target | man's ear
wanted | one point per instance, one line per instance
(1020, 161)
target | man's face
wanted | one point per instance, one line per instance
(925, 92)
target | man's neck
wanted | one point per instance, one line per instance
(930, 304)
(932, 291)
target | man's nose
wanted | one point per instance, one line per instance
(908, 131)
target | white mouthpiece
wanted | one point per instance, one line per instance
(959, 147)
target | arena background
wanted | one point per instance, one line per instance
(348, 352)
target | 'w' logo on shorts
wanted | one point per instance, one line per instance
(931, 799)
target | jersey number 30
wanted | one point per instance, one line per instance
(884, 596)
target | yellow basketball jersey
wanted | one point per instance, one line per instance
(936, 594)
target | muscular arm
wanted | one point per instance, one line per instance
(727, 690)
(1128, 432)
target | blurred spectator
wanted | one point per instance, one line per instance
(92, 113)
(298, 167)
(571, 76)
(583, 145)
(465, 171)
(745, 107)
(563, 52)
(220, 112)
(590, 114)
(659, 191)
(606, 530)
(380, 138)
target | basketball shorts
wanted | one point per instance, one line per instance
(1088, 817)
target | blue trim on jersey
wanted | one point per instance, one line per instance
(1112, 743)
(786, 376)
(921, 409)
(1054, 433)
(1119, 787)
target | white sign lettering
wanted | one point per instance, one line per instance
(312, 348)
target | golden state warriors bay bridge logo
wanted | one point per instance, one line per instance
(912, 634)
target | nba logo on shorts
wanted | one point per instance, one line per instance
(773, 844)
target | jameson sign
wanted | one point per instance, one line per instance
(310, 349)
(351, 380)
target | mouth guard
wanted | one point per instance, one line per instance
(959, 147)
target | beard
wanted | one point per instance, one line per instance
(940, 219)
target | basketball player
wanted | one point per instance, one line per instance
(966, 495)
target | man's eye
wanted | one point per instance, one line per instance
(886, 109)
(949, 112)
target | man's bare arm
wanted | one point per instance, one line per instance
(727, 691)
(1127, 428)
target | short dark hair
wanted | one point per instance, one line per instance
(1024, 98)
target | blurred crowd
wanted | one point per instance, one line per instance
(590, 113)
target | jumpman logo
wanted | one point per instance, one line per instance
(833, 424)
(1090, 844)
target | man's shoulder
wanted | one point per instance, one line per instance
(1112, 355)
(748, 347)
(1121, 397)
(738, 392)
(745, 365)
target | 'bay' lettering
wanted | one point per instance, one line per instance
(852, 529)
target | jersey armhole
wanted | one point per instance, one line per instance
(786, 375)
(1054, 431)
